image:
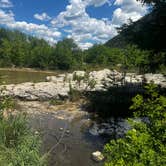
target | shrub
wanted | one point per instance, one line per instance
(144, 145)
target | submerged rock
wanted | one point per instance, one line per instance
(114, 127)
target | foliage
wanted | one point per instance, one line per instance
(148, 33)
(135, 58)
(144, 145)
(20, 50)
(18, 144)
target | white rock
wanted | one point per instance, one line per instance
(58, 86)
(97, 156)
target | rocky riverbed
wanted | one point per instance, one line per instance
(78, 132)
(57, 87)
(67, 127)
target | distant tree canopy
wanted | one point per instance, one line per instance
(20, 50)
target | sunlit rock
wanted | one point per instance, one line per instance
(97, 156)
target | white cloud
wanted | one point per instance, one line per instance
(40, 31)
(85, 45)
(128, 9)
(6, 17)
(76, 22)
(5, 4)
(97, 3)
(84, 28)
(42, 17)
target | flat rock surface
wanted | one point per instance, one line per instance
(57, 87)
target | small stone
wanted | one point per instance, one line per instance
(97, 156)
(61, 128)
(36, 132)
(67, 131)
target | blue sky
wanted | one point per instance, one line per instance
(86, 21)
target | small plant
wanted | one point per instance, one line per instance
(74, 94)
(78, 78)
(90, 83)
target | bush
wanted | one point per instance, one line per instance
(144, 145)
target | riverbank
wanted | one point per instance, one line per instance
(29, 70)
(59, 86)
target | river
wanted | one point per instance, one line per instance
(20, 76)
(76, 145)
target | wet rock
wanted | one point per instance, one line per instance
(94, 130)
(97, 156)
(114, 127)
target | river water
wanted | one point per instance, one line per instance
(14, 77)
(76, 145)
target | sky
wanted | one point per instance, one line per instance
(88, 22)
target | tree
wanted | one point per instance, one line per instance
(135, 58)
(65, 52)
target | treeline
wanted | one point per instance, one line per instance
(20, 50)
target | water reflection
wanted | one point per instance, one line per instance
(10, 77)
(76, 146)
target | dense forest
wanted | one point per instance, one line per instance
(20, 50)
(138, 47)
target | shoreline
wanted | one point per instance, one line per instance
(30, 70)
